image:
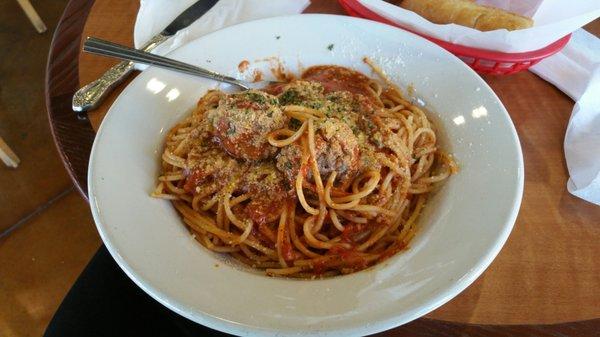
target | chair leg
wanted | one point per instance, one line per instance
(7, 155)
(32, 15)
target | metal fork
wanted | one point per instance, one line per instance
(106, 48)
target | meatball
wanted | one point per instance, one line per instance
(263, 178)
(242, 122)
(269, 190)
(336, 149)
(288, 162)
(208, 166)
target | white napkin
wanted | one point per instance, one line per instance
(155, 15)
(553, 19)
(576, 71)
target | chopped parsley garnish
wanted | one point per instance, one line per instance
(287, 184)
(295, 124)
(370, 125)
(256, 97)
(289, 97)
(314, 105)
(330, 47)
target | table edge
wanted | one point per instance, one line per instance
(73, 134)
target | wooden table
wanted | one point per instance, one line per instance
(545, 281)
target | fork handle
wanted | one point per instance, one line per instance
(91, 95)
(106, 48)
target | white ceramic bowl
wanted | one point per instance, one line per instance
(463, 228)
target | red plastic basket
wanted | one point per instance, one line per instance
(481, 60)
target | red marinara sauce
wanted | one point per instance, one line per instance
(335, 78)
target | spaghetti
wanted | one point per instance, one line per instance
(321, 176)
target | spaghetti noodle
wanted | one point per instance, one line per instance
(321, 176)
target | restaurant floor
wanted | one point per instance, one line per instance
(47, 234)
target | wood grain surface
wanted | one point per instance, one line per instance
(547, 273)
(73, 135)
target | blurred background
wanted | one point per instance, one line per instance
(47, 234)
